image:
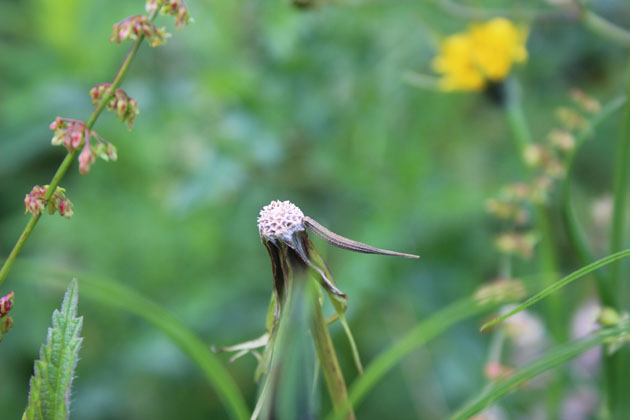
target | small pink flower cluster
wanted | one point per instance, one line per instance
(35, 202)
(6, 303)
(175, 8)
(136, 26)
(69, 132)
(73, 134)
(6, 322)
(102, 149)
(126, 108)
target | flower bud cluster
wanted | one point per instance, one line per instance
(74, 134)
(35, 202)
(175, 8)
(521, 244)
(549, 160)
(68, 132)
(136, 26)
(6, 303)
(502, 290)
(100, 149)
(6, 322)
(126, 108)
(571, 118)
(584, 101)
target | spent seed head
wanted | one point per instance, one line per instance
(279, 220)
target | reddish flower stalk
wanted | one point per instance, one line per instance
(105, 150)
(126, 108)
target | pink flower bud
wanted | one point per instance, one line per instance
(6, 303)
(86, 159)
(66, 209)
(34, 201)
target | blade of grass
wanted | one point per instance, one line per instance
(615, 367)
(109, 292)
(560, 284)
(424, 332)
(572, 226)
(553, 359)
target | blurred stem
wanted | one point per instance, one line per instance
(591, 20)
(600, 26)
(522, 136)
(615, 366)
(622, 174)
(67, 161)
(574, 231)
(461, 11)
(328, 358)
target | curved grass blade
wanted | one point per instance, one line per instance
(560, 284)
(553, 359)
(109, 292)
(424, 332)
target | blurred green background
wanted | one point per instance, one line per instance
(255, 101)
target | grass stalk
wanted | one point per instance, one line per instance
(328, 359)
(616, 366)
(572, 226)
(546, 253)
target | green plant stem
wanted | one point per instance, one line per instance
(608, 30)
(328, 360)
(555, 306)
(589, 19)
(522, 136)
(616, 366)
(67, 161)
(574, 231)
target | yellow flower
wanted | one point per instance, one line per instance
(486, 52)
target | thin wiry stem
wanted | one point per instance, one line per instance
(522, 136)
(67, 161)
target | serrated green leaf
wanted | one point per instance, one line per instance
(49, 395)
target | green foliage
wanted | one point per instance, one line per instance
(420, 335)
(259, 101)
(558, 285)
(49, 395)
(109, 292)
(551, 360)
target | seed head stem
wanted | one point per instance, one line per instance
(328, 358)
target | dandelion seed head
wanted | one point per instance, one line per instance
(280, 219)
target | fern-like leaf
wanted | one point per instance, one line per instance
(49, 395)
